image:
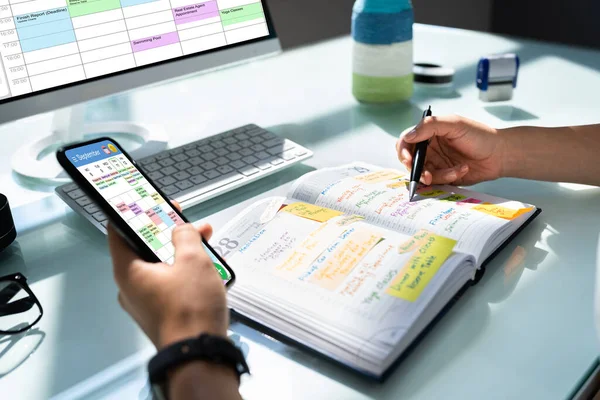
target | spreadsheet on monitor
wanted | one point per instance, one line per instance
(49, 43)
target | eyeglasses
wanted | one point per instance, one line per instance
(19, 308)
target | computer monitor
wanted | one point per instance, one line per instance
(59, 53)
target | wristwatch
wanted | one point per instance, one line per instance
(212, 349)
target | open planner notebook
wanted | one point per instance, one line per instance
(347, 267)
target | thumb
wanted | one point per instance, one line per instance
(206, 231)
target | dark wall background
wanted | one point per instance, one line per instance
(566, 21)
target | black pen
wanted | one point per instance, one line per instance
(418, 162)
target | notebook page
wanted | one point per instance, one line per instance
(381, 196)
(341, 273)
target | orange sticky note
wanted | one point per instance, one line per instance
(501, 212)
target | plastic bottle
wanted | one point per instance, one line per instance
(383, 52)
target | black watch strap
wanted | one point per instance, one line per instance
(209, 348)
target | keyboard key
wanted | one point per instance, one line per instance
(229, 140)
(181, 175)
(170, 190)
(195, 170)
(273, 142)
(246, 152)
(263, 165)
(70, 187)
(238, 164)
(300, 151)
(192, 153)
(151, 167)
(240, 130)
(222, 151)
(183, 165)
(208, 165)
(162, 156)
(184, 184)
(234, 147)
(166, 162)
(222, 161)
(147, 160)
(241, 136)
(206, 148)
(250, 160)
(169, 170)
(180, 157)
(262, 155)
(254, 131)
(176, 151)
(224, 169)
(104, 223)
(249, 170)
(198, 179)
(258, 147)
(281, 148)
(84, 201)
(99, 216)
(156, 175)
(267, 136)
(189, 146)
(275, 160)
(167, 180)
(245, 143)
(217, 144)
(75, 194)
(288, 155)
(256, 139)
(234, 156)
(91, 208)
(195, 160)
(212, 174)
(212, 185)
(209, 156)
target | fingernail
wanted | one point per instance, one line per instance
(411, 134)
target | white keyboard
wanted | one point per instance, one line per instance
(202, 170)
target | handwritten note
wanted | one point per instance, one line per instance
(500, 211)
(349, 220)
(414, 277)
(380, 176)
(414, 242)
(312, 212)
(352, 247)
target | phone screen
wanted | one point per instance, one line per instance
(122, 185)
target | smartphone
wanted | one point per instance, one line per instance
(136, 208)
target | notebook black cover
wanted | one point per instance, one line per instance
(381, 378)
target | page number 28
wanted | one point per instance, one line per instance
(225, 247)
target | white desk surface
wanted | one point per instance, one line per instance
(521, 333)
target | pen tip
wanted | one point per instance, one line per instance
(429, 109)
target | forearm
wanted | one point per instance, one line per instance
(569, 154)
(200, 380)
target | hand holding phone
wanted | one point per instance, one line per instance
(136, 208)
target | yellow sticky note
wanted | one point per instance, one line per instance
(379, 176)
(501, 212)
(414, 242)
(414, 277)
(455, 197)
(432, 193)
(403, 183)
(310, 211)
